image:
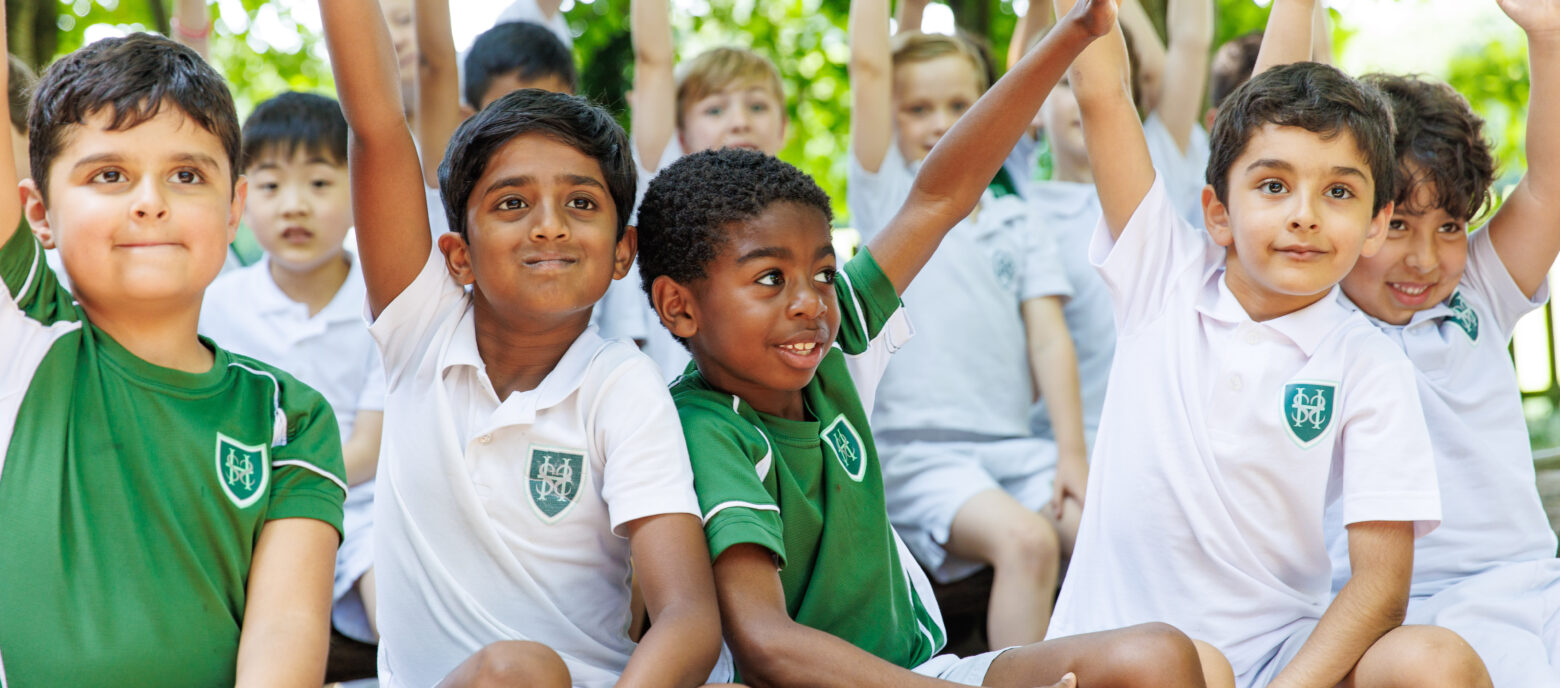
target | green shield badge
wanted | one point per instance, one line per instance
(1308, 410)
(1463, 315)
(243, 470)
(842, 437)
(553, 481)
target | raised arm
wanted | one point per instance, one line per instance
(1525, 232)
(871, 84)
(1288, 36)
(961, 165)
(1031, 24)
(909, 14)
(438, 85)
(10, 199)
(1186, 68)
(192, 26)
(654, 119)
(387, 183)
(1321, 36)
(1118, 153)
(1149, 72)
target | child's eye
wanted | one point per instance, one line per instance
(713, 111)
(771, 279)
(759, 107)
(582, 203)
(918, 109)
(512, 204)
(1273, 186)
(1397, 225)
(960, 106)
(1451, 228)
(187, 177)
(108, 177)
(825, 276)
(321, 183)
(1341, 193)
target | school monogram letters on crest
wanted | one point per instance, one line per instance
(846, 443)
(243, 470)
(1308, 410)
(553, 479)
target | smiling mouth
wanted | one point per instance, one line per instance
(1410, 293)
(297, 235)
(550, 262)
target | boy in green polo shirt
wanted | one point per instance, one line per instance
(735, 254)
(171, 510)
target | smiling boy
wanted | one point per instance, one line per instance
(171, 509)
(1244, 399)
(526, 458)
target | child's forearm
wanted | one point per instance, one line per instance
(1288, 36)
(1186, 72)
(361, 451)
(438, 85)
(1321, 37)
(1054, 363)
(286, 630)
(871, 84)
(1372, 603)
(363, 61)
(1032, 23)
(671, 558)
(193, 26)
(909, 15)
(654, 107)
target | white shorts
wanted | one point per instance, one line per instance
(927, 482)
(1263, 672)
(1510, 615)
(353, 559)
(968, 671)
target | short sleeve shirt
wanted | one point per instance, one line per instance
(811, 491)
(1491, 513)
(132, 495)
(503, 519)
(1222, 442)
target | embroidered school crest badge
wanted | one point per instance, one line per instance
(1308, 410)
(243, 470)
(846, 443)
(1463, 315)
(553, 481)
(1005, 266)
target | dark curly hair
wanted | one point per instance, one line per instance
(691, 205)
(1314, 97)
(570, 120)
(1439, 141)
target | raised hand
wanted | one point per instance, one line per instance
(1536, 17)
(1094, 16)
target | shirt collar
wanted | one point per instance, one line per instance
(562, 381)
(1061, 199)
(345, 306)
(1306, 327)
(1432, 314)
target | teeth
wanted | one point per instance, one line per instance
(803, 348)
(1411, 291)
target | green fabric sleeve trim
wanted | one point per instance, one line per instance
(740, 525)
(867, 298)
(318, 504)
(30, 281)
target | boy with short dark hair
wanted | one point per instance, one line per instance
(739, 262)
(1245, 400)
(525, 458)
(171, 509)
(1451, 299)
(301, 308)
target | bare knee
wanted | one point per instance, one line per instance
(516, 663)
(1152, 654)
(1027, 545)
(1421, 657)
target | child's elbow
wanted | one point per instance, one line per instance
(761, 652)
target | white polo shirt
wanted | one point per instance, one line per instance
(503, 519)
(1222, 441)
(529, 11)
(1491, 512)
(968, 371)
(1069, 211)
(1185, 172)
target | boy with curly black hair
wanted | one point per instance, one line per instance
(789, 348)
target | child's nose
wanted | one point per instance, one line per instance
(550, 223)
(150, 203)
(808, 303)
(1422, 255)
(1303, 215)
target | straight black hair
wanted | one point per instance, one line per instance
(528, 50)
(295, 121)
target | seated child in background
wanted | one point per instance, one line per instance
(966, 484)
(739, 262)
(171, 509)
(525, 458)
(1245, 399)
(726, 97)
(1230, 67)
(300, 308)
(1451, 299)
(506, 58)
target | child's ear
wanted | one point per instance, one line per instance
(675, 305)
(1216, 217)
(1378, 230)
(627, 248)
(457, 258)
(236, 211)
(35, 212)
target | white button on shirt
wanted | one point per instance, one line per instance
(503, 519)
(1220, 489)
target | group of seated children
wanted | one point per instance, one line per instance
(1249, 374)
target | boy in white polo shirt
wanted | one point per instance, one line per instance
(1451, 299)
(1245, 399)
(300, 308)
(526, 457)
